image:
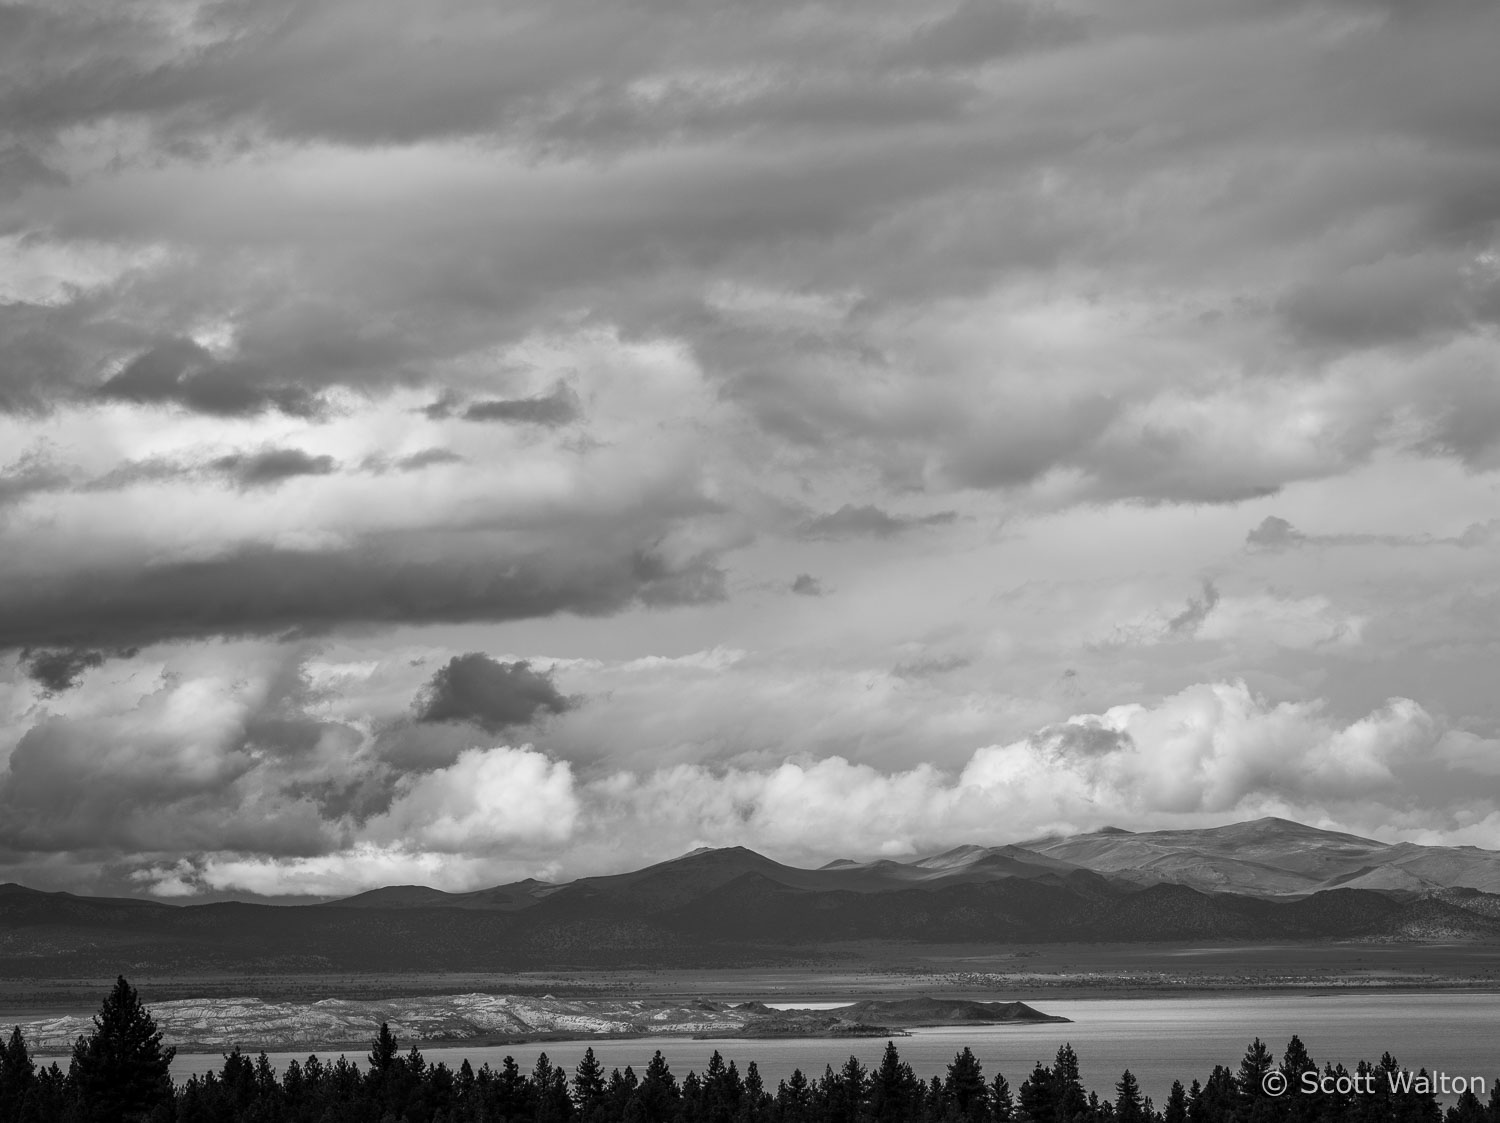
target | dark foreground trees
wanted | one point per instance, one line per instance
(118, 1073)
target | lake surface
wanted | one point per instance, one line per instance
(1159, 1039)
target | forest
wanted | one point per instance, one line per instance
(120, 1072)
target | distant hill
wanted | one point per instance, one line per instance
(1269, 879)
(1274, 857)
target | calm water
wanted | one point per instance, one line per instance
(1159, 1039)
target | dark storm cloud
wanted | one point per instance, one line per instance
(556, 408)
(806, 585)
(56, 671)
(271, 466)
(488, 693)
(867, 521)
(410, 746)
(182, 372)
(266, 591)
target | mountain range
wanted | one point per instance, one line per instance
(1269, 879)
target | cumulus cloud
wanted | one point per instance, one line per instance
(486, 800)
(490, 694)
(231, 784)
(1206, 754)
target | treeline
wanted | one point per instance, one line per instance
(120, 1072)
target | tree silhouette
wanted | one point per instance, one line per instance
(121, 1071)
(1129, 1106)
(965, 1090)
(1002, 1103)
(383, 1050)
(588, 1083)
(1176, 1110)
(17, 1075)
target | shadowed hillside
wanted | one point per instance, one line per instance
(1264, 880)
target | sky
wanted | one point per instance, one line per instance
(457, 442)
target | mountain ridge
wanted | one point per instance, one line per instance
(1263, 880)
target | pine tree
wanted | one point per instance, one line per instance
(1176, 1110)
(1468, 1109)
(120, 1071)
(755, 1103)
(1296, 1106)
(794, 1098)
(1037, 1096)
(1002, 1104)
(894, 1088)
(1129, 1107)
(965, 1090)
(656, 1098)
(1253, 1103)
(383, 1050)
(1068, 1098)
(17, 1075)
(588, 1083)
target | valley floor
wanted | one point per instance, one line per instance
(1029, 973)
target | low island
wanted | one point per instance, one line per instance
(212, 1025)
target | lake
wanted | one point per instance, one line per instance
(1159, 1039)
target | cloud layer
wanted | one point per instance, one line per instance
(733, 405)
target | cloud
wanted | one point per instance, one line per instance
(1188, 621)
(806, 585)
(265, 782)
(182, 372)
(32, 474)
(1273, 533)
(558, 407)
(266, 591)
(578, 311)
(935, 665)
(59, 670)
(486, 800)
(867, 521)
(490, 694)
(271, 466)
(427, 458)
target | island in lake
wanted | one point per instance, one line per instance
(250, 1023)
